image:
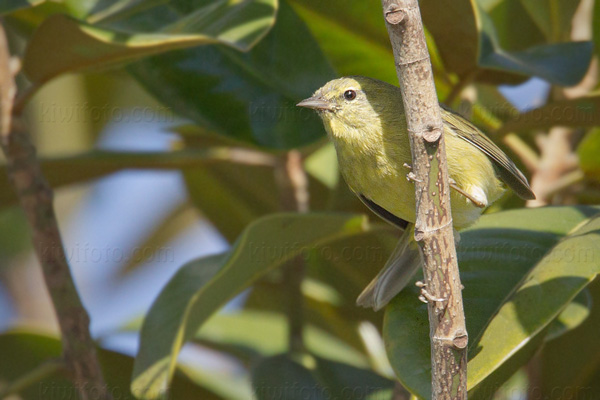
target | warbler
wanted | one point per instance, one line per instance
(365, 119)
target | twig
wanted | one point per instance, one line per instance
(433, 226)
(35, 196)
(42, 371)
(293, 183)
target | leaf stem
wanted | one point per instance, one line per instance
(293, 187)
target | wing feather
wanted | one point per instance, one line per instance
(506, 169)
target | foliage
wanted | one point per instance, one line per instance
(233, 70)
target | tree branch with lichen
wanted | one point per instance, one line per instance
(433, 227)
(36, 199)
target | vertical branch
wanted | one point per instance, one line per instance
(35, 197)
(293, 186)
(433, 230)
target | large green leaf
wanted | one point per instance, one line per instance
(203, 286)
(250, 96)
(280, 377)
(62, 44)
(508, 261)
(552, 17)
(570, 365)
(24, 350)
(579, 112)
(472, 48)
(265, 333)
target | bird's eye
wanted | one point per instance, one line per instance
(349, 94)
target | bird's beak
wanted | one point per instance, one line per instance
(316, 103)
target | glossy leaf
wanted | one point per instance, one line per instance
(205, 285)
(514, 253)
(579, 112)
(250, 96)
(24, 350)
(62, 44)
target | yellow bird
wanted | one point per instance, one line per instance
(364, 118)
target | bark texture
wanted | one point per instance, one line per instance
(433, 231)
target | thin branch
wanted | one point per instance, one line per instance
(293, 186)
(433, 226)
(35, 197)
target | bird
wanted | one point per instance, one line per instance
(365, 120)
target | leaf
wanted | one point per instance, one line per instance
(97, 163)
(265, 333)
(62, 44)
(249, 96)
(495, 256)
(8, 6)
(279, 377)
(472, 48)
(579, 112)
(552, 17)
(24, 350)
(573, 315)
(588, 151)
(570, 365)
(203, 286)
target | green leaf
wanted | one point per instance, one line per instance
(588, 151)
(62, 44)
(62, 171)
(8, 6)
(24, 350)
(249, 96)
(504, 270)
(574, 314)
(570, 365)
(553, 17)
(203, 286)
(352, 35)
(279, 377)
(265, 333)
(472, 48)
(579, 112)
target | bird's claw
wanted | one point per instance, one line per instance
(427, 298)
(411, 177)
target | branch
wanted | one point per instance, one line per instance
(35, 197)
(292, 182)
(433, 226)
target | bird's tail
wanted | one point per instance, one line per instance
(395, 275)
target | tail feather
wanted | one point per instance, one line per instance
(395, 275)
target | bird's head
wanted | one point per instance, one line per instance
(355, 102)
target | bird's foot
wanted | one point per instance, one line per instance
(426, 297)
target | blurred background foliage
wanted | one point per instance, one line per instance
(236, 200)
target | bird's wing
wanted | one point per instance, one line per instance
(383, 213)
(506, 169)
